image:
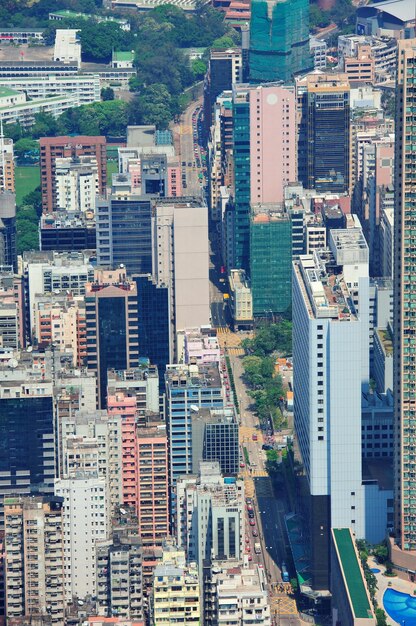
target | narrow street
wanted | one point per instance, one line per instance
(269, 503)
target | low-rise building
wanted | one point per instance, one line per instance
(122, 60)
(241, 597)
(24, 112)
(241, 300)
(175, 596)
(86, 86)
(67, 46)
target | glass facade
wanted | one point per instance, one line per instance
(154, 323)
(112, 338)
(221, 444)
(279, 40)
(27, 451)
(328, 142)
(271, 266)
(241, 141)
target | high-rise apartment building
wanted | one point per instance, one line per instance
(404, 550)
(181, 258)
(77, 183)
(124, 233)
(279, 40)
(53, 148)
(8, 250)
(210, 516)
(188, 388)
(152, 483)
(270, 260)
(264, 155)
(112, 326)
(140, 382)
(6, 165)
(324, 120)
(331, 368)
(119, 576)
(85, 521)
(34, 575)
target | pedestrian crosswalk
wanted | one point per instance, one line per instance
(236, 351)
(248, 487)
(223, 330)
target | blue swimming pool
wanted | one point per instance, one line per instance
(400, 606)
(375, 570)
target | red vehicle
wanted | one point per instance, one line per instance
(255, 533)
(222, 269)
(254, 437)
(252, 522)
(242, 464)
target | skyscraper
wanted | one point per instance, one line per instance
(330, 364)
(112, 326)
(323, 102)
(264, 145)
(279, 40)
(404, 550)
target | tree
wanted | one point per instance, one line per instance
(317, 17)
(34, 199)
(198, 67)
(27, 229)
(45, 126)
(107, 93)
(381, 552)
(25, 145)
(381, 617)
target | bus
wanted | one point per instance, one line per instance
(285, 574)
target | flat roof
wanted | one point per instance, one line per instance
(352, 573)
(121, 55)
(6, 91)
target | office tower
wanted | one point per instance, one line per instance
(241, 596)
(85, 521)
(323, 121)
(155, 328)
(387, 239)
(77, 183)
(8, 251)
(152, 503)
(188, 388)
(215, 438)
(225, 69)
(181, 258)
(404, 548)
(270, 260)
(264, 155)
(175, 594)
(112, 326)
(119, 576)
(34, 576)
(27, 461)
(62, 231)
(210, 516)
(52, 148)
(124, 233)
(330, 363)
(279, 40)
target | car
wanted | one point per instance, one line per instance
(249, 501)
(266, 446)
(251, 514)
(249, 507)
(250, 558)
(254, 437)
(190, 164)
(183, 163)
(252, 522)
(248, 549)
(254, 533)
(247, 540)
(184, 185)
(242, 464)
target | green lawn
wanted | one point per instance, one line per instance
(112, 168)
(27, 178)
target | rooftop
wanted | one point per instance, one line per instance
(264, 213)
(67, 219)
(7, 92)
(353, 576)
(403, 10)
(121, 55)
(325, 295)
(348, 245)
(386, 340)
(182, 375)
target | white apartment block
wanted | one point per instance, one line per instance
(91, 443)
(181, 258)
(86, 520)
(241, 597)
(241, 297)
(24, 112)
(210, 515)
(33, 574)
(85, 86)
(67, 46)
(330, 362)
(77, 184)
